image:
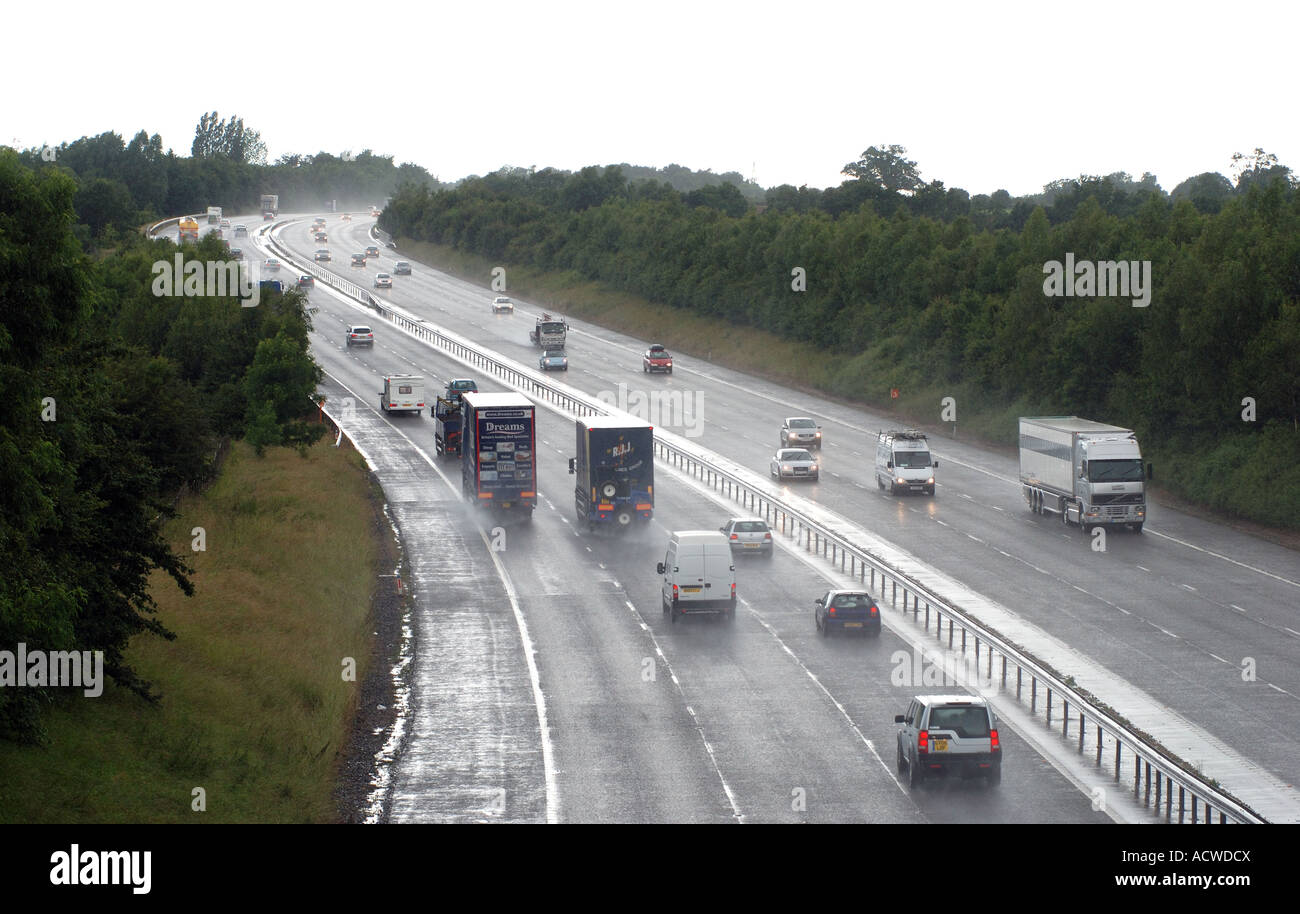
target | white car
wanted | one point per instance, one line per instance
(272, 265)
(794, 463)
(383, 281)
(501, 303)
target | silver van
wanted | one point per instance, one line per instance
(698, 575)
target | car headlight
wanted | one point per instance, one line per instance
(900, 480)
(930, 481)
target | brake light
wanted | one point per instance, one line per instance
(923, 742)
(735, 536)
(993, 741)
(767, 536)
(873, 609)
(674, 591)
(830, 610)
(733, 590)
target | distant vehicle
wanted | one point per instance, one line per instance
(383, 281)
(214, 216)
(498, 453)
(794, 463)
(318, 221)
(322, 255)
(656, 358)
(401, 268)
(1089, 473)
(615, 472)
(241, 231)
(698, 575)
(237, 253)
(943, 734)
(271, 285)
(358, 260)
(270, 206)
(321, 238)
(847, 610)
(374, 212)
(800, 431)
(501, 303)
(402, 393)
(359, 335)
(188, 229)
(553, 360)
(903, 462)
(306, 282)
(458, 387)
(748, 534)
(548, 332)
(272, 265)
(346, 217)
(372, 251)
(225, 223)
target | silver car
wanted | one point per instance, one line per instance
(949, 734)
(748, 534)
(794, 463)
(501, 303)
(383, 281)
(553, 360)
(800, 431)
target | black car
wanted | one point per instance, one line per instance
(847, 610)
(306, 282)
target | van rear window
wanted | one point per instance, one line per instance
(967, 723)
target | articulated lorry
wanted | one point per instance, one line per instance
(616, 472)
(270, 206)
(498, 468)
(549, 332)
(1088, 472)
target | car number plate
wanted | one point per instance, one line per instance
(940, 745)
(853, 625)
(690, 590)
(751, 545)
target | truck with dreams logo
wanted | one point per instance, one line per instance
(616, 472)
(498, 453)
(1088, 472)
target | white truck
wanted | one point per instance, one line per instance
(549, 333)
(402, 393)
(903, 462)
(1088, 472)
(270, 206)
(214, 215)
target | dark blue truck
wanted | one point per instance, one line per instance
(616, 472)
(498, 468)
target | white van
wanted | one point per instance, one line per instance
(698, 574)
(402, 393)
(903, 462)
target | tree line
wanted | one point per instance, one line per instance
(111, 400)
(910, 284)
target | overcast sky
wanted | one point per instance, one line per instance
(984, 95)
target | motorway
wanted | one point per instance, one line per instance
(766, 722)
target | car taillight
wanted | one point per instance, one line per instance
(830, 610)
(923, 742)
(873, 609)
(674, 591)
(767, 536)
(733, 590)
(993, 741)
(735, 536)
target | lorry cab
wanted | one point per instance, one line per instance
(903, 462)
(698, 575)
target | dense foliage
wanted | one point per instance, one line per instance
(111, 399)
(939, 291)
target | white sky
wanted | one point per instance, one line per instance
(984, 95)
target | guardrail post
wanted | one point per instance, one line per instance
(1169, 802)
(1082, 730)
(1049, 706)
(1146, 796)
(1098, 745)
(1018, 672)
(1137, 774)
(1158, 780)
(927, 617)
(1118, 746)
(950, 624)
(1196, 816)
(916, 609)
(1033, 694)
(1065, 717)
(1181, 808)
(963, 643)
(893, 597)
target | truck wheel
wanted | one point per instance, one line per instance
(1137, 528)
(624, 518)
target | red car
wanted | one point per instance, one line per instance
(656, 358)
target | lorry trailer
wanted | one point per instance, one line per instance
(1088, 472)
(615, 472)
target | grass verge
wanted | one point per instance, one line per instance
(254, 708)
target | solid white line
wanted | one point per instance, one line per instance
(539, 700)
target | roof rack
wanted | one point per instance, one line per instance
(907, 434)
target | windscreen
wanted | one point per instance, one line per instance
(1126, 470)
(802, 423)
(552, 326)
(911, 460)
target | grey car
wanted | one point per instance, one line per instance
(553, 360)
(949, 734)
(794, 463)
(748, 534)
(800, 431)
(402, 268)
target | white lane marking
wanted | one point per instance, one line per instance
(699, 727)
(1220, 555)
(539, 700)
(825, 691)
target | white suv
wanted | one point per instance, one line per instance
(942, 734)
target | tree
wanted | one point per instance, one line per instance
(101, 203)
(229, 138)
(1259, 167)
(886, 168)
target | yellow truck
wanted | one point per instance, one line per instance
(189, 229)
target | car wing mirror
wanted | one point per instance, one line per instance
(898, 718)
(573, 462)
(659, 568)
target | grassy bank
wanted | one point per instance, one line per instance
(254, 708)
(1210, 481)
